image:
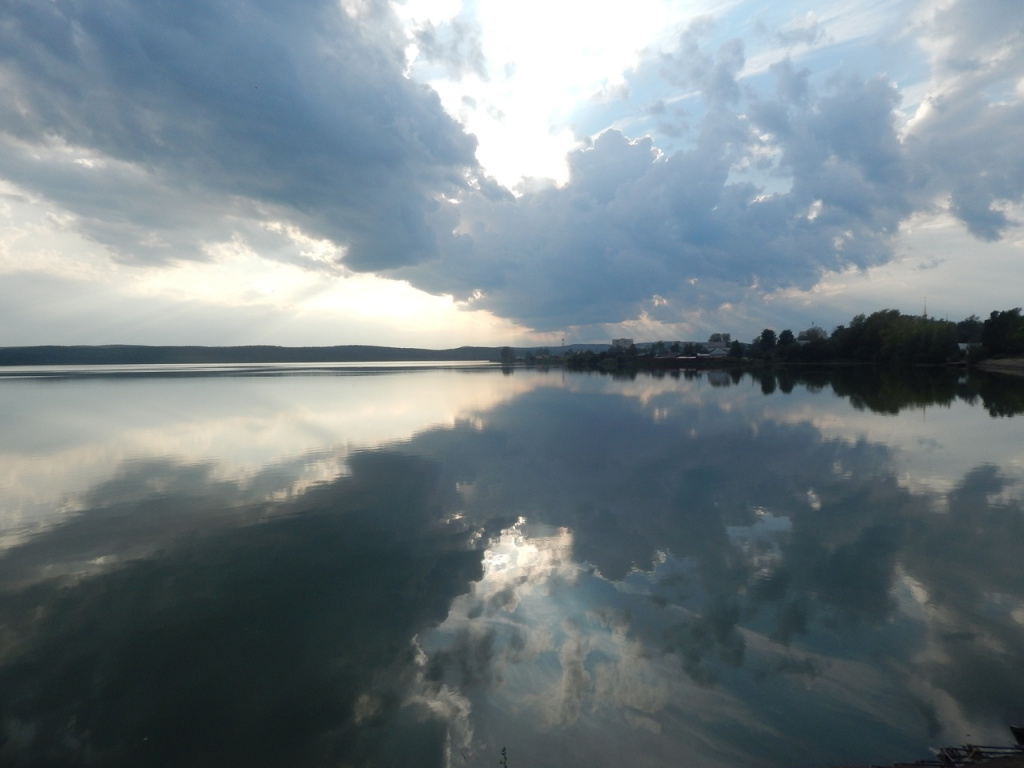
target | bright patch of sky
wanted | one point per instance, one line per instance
(587, 68)
(541, 62)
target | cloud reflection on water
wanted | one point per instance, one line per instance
(794, 549)
(62, 437)
(580, 569)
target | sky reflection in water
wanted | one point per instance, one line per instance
(421, 568)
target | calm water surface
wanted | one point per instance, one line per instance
(350, 566)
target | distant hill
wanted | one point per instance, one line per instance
(128, 354)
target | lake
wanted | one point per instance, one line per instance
(425, 565)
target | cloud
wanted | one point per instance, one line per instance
(689, 65)
(804, 31)
(965, 138)
(778, 187)
(697, 227)
(167, 132)
(454, 44)
(159, 126)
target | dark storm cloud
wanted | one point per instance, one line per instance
(193, 114)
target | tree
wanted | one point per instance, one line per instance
(767, 340)
(508, 356)
(1003, 332)
(726, 337)
(815, 333)
(736, 349)
(968, 330)
(891, 338)
(786, 337)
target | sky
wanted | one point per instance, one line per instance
(436, 173)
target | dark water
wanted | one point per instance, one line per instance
(350, 567)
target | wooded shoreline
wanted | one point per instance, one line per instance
(130, 354)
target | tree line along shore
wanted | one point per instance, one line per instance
(885, 337)
(131, 354)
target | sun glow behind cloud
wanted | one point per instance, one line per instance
(544, 60)
(94, 299)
